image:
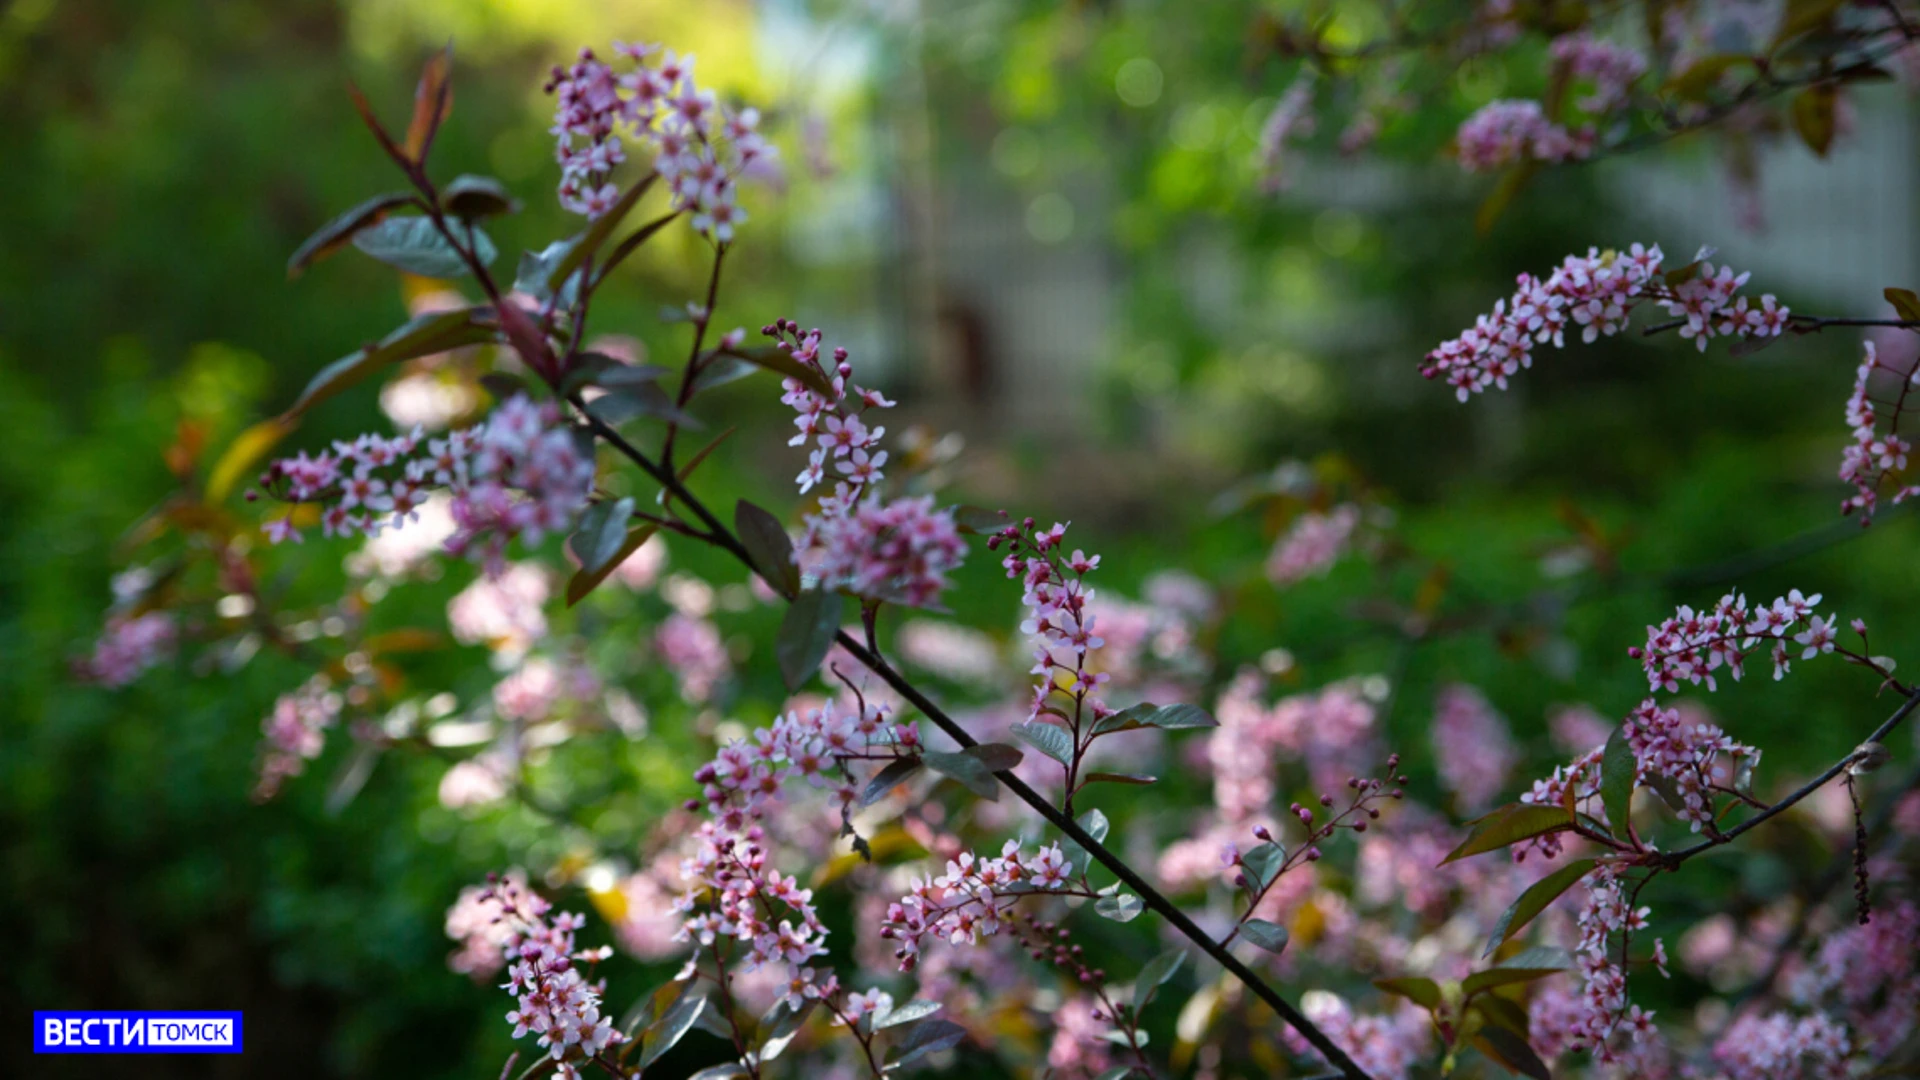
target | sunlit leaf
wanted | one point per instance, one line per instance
(1905, 303)
(415, 244)
(242, 454)
(1147, 714)
(1120, 907)
(671, 1028)
(432, 102)
(1049, 739)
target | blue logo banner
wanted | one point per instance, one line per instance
(89, 1032)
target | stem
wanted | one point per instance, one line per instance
(721, 536)
(693, 356)
(1879, 735)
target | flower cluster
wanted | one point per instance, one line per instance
(295, 732)
(518, 474)
(1872, 973)
(1598, 292)
(1506, 133)
(1291, 118)
(1059, 621)
(555, 1000)
(1690, 646)
(129, 645)
(1601, 1007)
(1612, 68)
(968, 902)
(900, 551)
(1383, 1046)
(692, 648)
(1312, 544)
(1472, 748)
(1688, 763)
(732, 893)
(1872, 457)
(700, 148)
(1762, 1047)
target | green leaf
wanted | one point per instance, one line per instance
(641, 398)
(768, 547)
(906, 1014)
(1504, 1012)
(1509, 825)
(1512, 1052)
(1269, 936)
(1905, 303)
(1815, 111)
(806, 633)
(476, 197)
(1422, 992)
(1155, 975)
(970, 771)
(585, 245)
(1263, 864)
(926, 1038)
(1147, 714)
(602, 532)
(536, 269)
(1619, 768)
(1540, 956)
(335, 234)
(895, 774)
(1118, 1072)
(1535, 900)
(731, 1070)
(998, 757)
(782, 363)
(671, 1028)
(719, 370)
(1120, 907)
(978, 520)
(1121, 1038)
(1095, 823)
(1702, 76)
(583, 581)
(1802, 17)
(1512, 183)
(1118, 778)
(1504, 976)
(599, 369)
(1049, 739)
(422, 336)
(413, 244)
(780, 1025)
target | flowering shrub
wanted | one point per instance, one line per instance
(1387, 934)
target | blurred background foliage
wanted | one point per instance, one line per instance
(1037, 220)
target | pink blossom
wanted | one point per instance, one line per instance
(130, 645)
(295, 732)
(1312, 544)
(1471, 747)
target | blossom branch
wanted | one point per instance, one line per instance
(721, 536)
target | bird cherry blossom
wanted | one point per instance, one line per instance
(295, 732)
(699, 148)
(1873, 458)
(1690, 646)
(1597, 293)
(553, 997)
(520, 474)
